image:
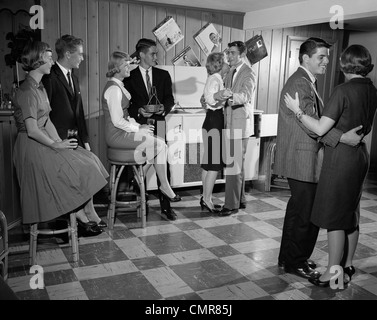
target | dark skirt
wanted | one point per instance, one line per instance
(337, 202)
(212, 132)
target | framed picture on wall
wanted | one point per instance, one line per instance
(208, 39)
(168, 33)
(186, 57)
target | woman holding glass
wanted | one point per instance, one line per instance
(54, 178)
(123, 132)
(213, 125)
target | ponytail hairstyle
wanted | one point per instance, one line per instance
(115, 62)
(32, 55)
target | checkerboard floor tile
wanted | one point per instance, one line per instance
(200, 256)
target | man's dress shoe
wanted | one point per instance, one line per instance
(227, 212)
(243, 205)
(319, 283)
(304, 271)
(310, 263)
(170, 214)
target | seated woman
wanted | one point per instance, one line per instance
(54, 178)
(123, 132)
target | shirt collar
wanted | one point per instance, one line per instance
(65, 71)
(311, 76)
(144, 70)
(34, 83)
(117, 81)
(239, 66)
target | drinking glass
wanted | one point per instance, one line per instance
(72, 134)
(151, 122)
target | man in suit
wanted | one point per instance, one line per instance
(238, 115)
(63, 90)
(299, 160)
(141, 83)
(67, 112)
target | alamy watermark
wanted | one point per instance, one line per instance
(36, 21)
(37, 280)
(337, 20)
(337, 280)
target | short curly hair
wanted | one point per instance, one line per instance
(356, 59)
(215, 62)
(115, 62)
(32, 55)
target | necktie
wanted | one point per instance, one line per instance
(233, 73)
(70, 81)
(149, 86)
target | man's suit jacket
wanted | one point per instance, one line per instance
(239, 118)
(139, 96)
(67, 108)
(296, 146)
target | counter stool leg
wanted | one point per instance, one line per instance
(74, 237)
(139, 173)
(33, 244)
(111, 209)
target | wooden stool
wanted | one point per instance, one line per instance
(4, 252)
(72, 236)
(119, 159)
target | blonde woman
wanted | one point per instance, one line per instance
(123, 132)
(212, 129)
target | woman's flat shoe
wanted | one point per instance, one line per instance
(86, 225)
(175, 199)
(88, 229)
(319, 283)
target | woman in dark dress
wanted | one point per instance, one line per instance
(337, 202)
(213, 126)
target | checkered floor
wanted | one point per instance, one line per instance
(199, 256)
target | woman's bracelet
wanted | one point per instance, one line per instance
(299, 115)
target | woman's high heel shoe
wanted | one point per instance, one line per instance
(204, 205)
(349, 271)
(175, 199)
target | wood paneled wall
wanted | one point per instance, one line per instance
(10, 21)
(106, 26)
